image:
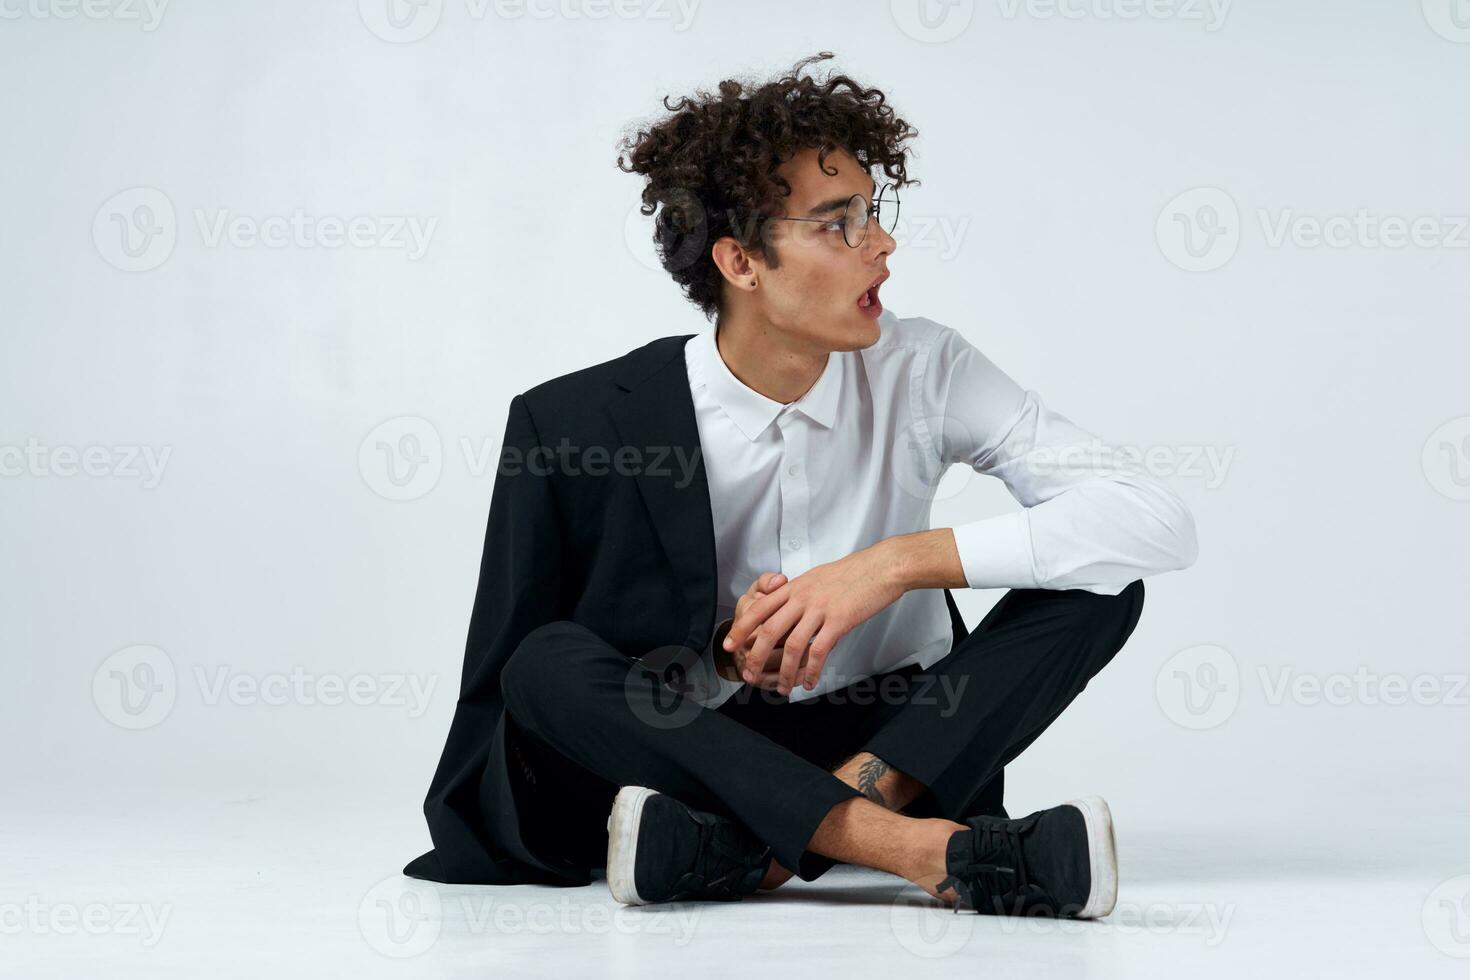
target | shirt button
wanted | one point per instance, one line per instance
(794, 544)
(793, 470)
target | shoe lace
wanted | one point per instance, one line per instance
(727, 864)
(991, 869)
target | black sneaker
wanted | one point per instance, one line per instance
(1059, 862)
(659, 850)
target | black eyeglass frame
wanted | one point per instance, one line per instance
(873, 211)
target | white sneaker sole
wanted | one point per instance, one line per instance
(622, 843)
(1102, 856)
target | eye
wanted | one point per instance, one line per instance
(833, 225)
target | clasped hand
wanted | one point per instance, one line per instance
(785, 630)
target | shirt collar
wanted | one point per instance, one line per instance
(749, 409)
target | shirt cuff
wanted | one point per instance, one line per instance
(996, 553)
(707, 687)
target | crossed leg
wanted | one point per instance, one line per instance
(1024, 664)
(1031, 656)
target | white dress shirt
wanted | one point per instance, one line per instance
(858, 458)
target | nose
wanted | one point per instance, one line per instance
(878, 241)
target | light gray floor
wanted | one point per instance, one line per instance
(252, 887)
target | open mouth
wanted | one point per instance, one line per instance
(869, 302)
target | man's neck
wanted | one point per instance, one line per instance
(766, 361)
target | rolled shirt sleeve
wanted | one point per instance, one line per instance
(1091, 518)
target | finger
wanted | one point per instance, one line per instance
(771, 634)
(741, 604)
(790, 662)
(817, 653)
(797, 642)
(766, 679)
(768, 582)
(754, 615)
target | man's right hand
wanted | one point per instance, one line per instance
(732, 664)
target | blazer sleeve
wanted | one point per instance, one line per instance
(519, 589)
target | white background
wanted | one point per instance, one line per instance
(1325, 382)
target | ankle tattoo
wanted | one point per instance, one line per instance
(868, 775)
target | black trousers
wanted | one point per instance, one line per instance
(586, 720)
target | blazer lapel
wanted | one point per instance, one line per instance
(656, 419)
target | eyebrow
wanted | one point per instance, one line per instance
(839, 202)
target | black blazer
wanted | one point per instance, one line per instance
(586, 538)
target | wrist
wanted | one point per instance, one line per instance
(724, 660)
(894, 559)
(922, 560)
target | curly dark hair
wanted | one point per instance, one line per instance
(712, 163)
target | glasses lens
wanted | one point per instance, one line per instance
(888, 208)
(855, 220)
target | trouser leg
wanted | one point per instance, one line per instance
(572, 691)
(1001, 687)
(955, 725)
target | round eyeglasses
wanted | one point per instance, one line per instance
(854, 221)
